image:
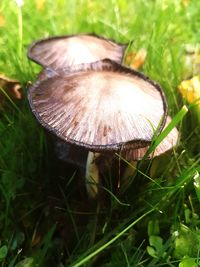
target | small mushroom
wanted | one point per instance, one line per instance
(167, 144)
(134, 155)
(64, 51)
(102, 107)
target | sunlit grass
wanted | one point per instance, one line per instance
(45, 216)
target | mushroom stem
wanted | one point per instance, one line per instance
(92, 174)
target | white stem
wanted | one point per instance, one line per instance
(92, 174)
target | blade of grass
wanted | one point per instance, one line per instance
(197, 184)
(7, 96)
(177, 118)
(46, 245)
(115, 198)
(104, 246)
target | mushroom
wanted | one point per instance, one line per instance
(65, 51)
(101, 107)
(165, 145)
(134, 155)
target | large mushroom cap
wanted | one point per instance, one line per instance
(100, 106)
(64, 51)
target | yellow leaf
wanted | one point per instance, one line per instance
(190, 90)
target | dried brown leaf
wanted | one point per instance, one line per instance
(11, 87)
(136, 60)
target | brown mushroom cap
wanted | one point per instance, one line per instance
(100, 106)
(64, 51)
(167, 144)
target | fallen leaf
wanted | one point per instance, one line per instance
(11, 87)
(136, 60)
(190, 90)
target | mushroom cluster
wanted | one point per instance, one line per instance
(90, 101)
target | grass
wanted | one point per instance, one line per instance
(46, 218)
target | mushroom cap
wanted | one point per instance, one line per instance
(64, 51)
(45, 74)
(165, 145)
(101, 106)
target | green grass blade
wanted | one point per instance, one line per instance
(104, 246)
(177, 118)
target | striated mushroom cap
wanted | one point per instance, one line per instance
(65, 51)
(100, 106)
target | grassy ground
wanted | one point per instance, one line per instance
(45, 216)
